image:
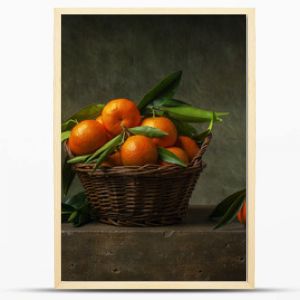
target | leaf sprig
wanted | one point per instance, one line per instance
(76, 210)
(166, 88)
(227, 209)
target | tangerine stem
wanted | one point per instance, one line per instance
(123, 138)
(126, 131)
(153, 112)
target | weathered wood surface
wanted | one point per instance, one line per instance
(189, 251)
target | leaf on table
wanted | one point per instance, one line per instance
(66, 209)
(83, 217)
(76, 209)
(76, 201)
(224, 205)
(72, 216)
(232, 211)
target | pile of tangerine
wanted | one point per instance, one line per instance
(138, 150)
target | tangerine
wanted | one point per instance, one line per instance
(100, 120)
(163, 124)
(188, 145)
(180, 153)
(115, 159)
(119, 113)
(138, 150)
(241, 216)
(86, 137)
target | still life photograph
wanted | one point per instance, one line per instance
(153, 156)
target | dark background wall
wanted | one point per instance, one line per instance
(106, 57)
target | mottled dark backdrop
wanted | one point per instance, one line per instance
(105, 57)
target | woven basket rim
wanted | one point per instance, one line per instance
(146, 169)
(150, 195)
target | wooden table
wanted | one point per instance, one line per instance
(189, 251)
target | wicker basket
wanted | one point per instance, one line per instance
(149, 195)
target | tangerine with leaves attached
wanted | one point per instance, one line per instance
(180, 153)
(163, 124)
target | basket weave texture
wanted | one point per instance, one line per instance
(149, 195)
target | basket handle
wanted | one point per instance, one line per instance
(203, 147)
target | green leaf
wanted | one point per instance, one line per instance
(67, 177)
(78, 209)
(68, 125)
(147, 131)
(224, 205)
(112, 143)
(78, 159)
(65, 135)
(66, 212)
(221, 114)
(166, 88)
(184, 128)
(89, 157)
(192, 114)
(168, 102)
(66, 209)
(83, 217)
(232, 211)
(168, 156)
(76, 201)
(103, 156)
(211, 123)
(201, 136)
(89, 112)
(72, 216)
(150, 111)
